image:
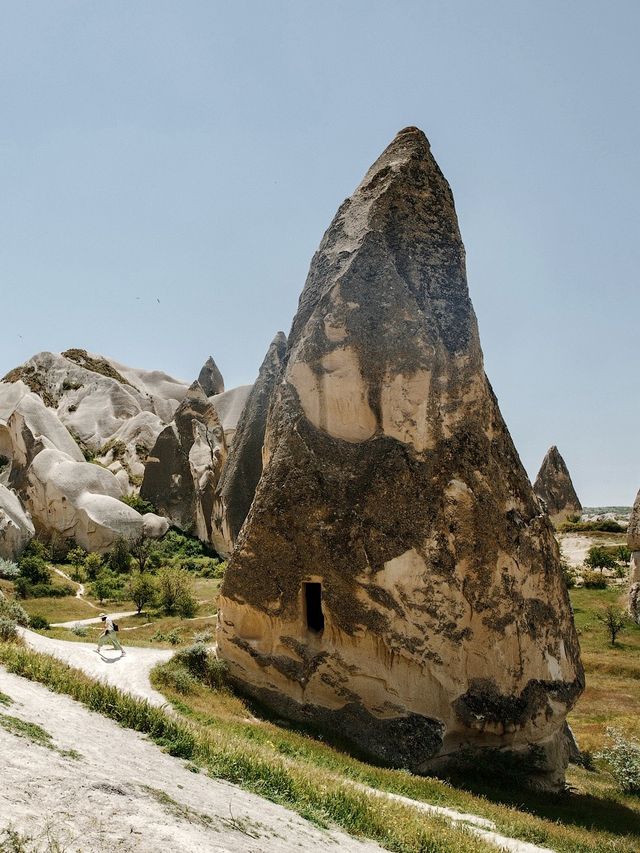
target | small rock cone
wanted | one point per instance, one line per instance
(553, 484)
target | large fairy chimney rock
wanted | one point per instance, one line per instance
(244, 465)
(395, 581)
(553, 484)
(633, 541)
(184, 466)
(210, 378)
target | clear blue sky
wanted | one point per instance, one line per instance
(195, 151)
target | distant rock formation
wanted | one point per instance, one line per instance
(16, 528)
(210, 378)
(553, 484)
(114, 412)
(395, 581)
(633, 542)
(184, 467)
(244, 465)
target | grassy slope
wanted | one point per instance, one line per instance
(595, 818)
(318, 796)
(612, 695)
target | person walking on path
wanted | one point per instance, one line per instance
(109, 636)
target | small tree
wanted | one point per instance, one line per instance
(598, 558)
(141, 551)
(105, 585)
(176, 592)
(614, 621)
(93, 565)
(623, 555)
(119, 557)
(142, 589)
(76, 557)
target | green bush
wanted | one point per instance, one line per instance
(80, 630)
(176, 544)
(622, 759)
(177, 677)
(594, 580)
(8, 630)
(13, 611)
(39, 623)
(44, 590)
(139, 504)
(34, 569)
(203, 665)
(9, 570)
(106, 585)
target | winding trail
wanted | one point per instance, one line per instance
(131, 675)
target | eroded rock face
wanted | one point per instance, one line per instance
(210, 378)
(184, 466)
(633, 542)
(396, 581)
(16, 528)
(553, 484)
(114, 412)
(80, 501)
(229, 405)
(63, 494)
(244, 465)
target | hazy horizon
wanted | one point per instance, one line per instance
(168, 172)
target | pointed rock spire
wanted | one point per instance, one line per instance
(210, 378)
(183, 469)
(395, 581)
(244, 465)
(553, 484)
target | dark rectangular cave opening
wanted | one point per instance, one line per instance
(313, 607)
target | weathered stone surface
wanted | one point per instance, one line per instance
(27, 427)
(210, 378)
(184, 466)
(16, 528)
(633, 541)
(78, 500)
(64, 494)
(553, 484)
(154, 526)
(229, 407)
(391, 480)
(244, 465)
(114, 412)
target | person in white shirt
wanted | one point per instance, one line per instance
(109, 636)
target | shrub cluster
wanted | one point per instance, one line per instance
(622, 758)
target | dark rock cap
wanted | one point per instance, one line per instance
(210, 378)
(553, 484)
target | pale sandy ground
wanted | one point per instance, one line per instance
(574, 548)
(114, 797)
(131, 674)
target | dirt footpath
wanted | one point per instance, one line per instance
(130, 673)
(117, 792)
